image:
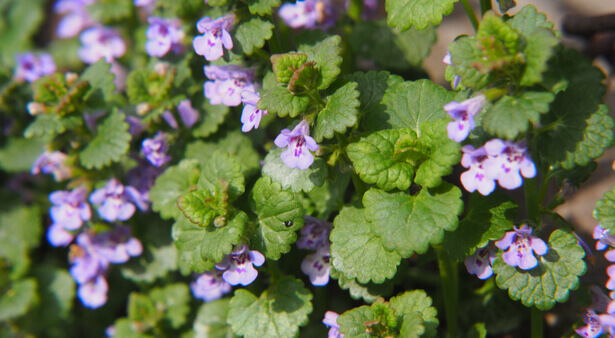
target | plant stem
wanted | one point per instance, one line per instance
(468, 8)
(355, 10)
(532, 200)
(536, 322)
(485, 5)
(450, 290)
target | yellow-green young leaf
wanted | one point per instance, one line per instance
(211, 320)
(327, 55)
(294, 179)
(605, 210)
(210, 120)
(416, 301)
(513, 115)
(285, 65)
(528, 19)
(339, 113)
(222, 167)
(172, 300)
(252, 35)
(219, 241)
(20, 230)
(176, 181)
(352, 322)
(538, 50)
(263, 7)
(557, 273)
(111, 142)
(201, 207)
(441, 155)
(110, 11)
(281, 101)
(188, 238)
(18, 299)
(404, 14)
(278, 312)
(304, 79)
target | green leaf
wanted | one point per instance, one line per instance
(18, 299)
(442, 153)
(281, 101)
(211, 320)
(479, 330)
(126, 328)
(556, 274)
(222, 167)
(20, 230)
(539, 49)
(330, 196)
(513, 115)
(528, 19)
(20, 21)
(390, 49)
(372, 86)
(369, 292)
(176, 181)
(280, 214)
(464, 53)
(605, 210)
(188, 238)
(410, 303)
(19, 154)
(202, 206)
(210, 121)
(339, 113)
(294, 179)
(487, 219)
(172, 300)
(285, 65)
(218, 242)
(404, 14)
(47, 126)
(110, 11)
(408, 224)
(357, 250)
(327, 55)
(101, 80)
(252, 34)
(304, 79)
(352, 322)
(278, 312)
(112, 140)
(263, 7)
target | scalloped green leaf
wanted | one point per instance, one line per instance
(327, 55)
(21, 228)
(405, 14)
(369, 292)
(278, 312)
(47, 126)
(263, 7)
(464, 52)
(352, 322)
(372, 86)
(528, 19)
(188, 238)
(176, 181)
(222, 167)
(101, 80)
(285, 65)
(442, 153)
(18, 299)
(409, 224)
(513, 115)
(218, 242)
(202, 207)
(605, 210)
(557, 273)
(172, 300)
(111, 142)
(357, 250)
(339, 113)
(416, 301)
(539, 49)
(211, 320)
(18, 154)
(294, 179)
(210, 121)
(281, 101)
(252, 34)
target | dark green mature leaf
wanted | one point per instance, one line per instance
(405, 14)
(188, 238)
(417, 301)
(176, 181)
(327, 55)
(357, 250)
(294, 179)
(372, 86)
(172, 300)
(408, 224)
(528, 19)
(285, 65)
(280, 214)
(263, 7)
(211, 120)
(222, 167)
(513, 115)
(20, 230)
(18, 299)
(101, 80)
(218, 242)
(252, 34)
(556, 274)
(155, 263)
(605, 210)
(330, 196)
(339, 113)
(281, 101)
(111, 142)
(19, 154)
(487, 219)
(211, 320)
(278, 312)
(539, 49)
(369, 292)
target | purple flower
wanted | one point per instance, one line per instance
(511, 160)
(93, 294)
(100, 42)
(135, 125)
(603, 237)
(210, 286)
(155, 149)
(188, 114)
(447, 60)
(227, 84)
(120, 76)
(251, 115)
(87, 263)
(520, 244)
(479, 177)
(600, 301)
(31, 68)
(143, 176)
(610, 271)
(76, 17)
(52, 163)
(331, 321)
(163, 35)
(317, 266)
(215, 35)
(308, 14)
(168, 117)
(463, 113)
(299, 144)
(117, 246)
(70, 208)
(116, 201)
(58, 236)
(595, 324)
(480, 262)
(314, 234)
(239, 266)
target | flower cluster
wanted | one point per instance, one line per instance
(480, 262)
(117, 202)
(521, 247)
(227, 83)
(155, 149)
(308, 14)
(315, 236)
(238, 266)
(52, 162)
(330, 320)
(210, 286)
(31, 68)
(463, 115)
(215, 36)
(163, 35)
(75, 17)
(299, 143)
(68, 213)
(100, 42)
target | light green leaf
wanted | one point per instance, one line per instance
(110, 11)
(285, 65)
(112, 140)
(352, 322)
(281, 101)
(528, 19)
(513, 115)
(176, 181)
(263, 7)
(188, 238)
(339, 113)
(278, 312)
(211, 320)
(252, 34)
(369, 292)
(605, 210)
(218, 242)
(330, 196)
(442, 153)
(357, 250)
(101, 80)
(294, 179)
(372, 86)
(47, 126)
(201, 207)
(172, 300)
(409, 224)
(404, 14)
(20, 230)
(327, 55)
(304, 79)
(19, 154)
(417, 301)
(211, 120)
(20, 21)
(464, 53)
(539, 49)
(18, 299)
(222, 167)
(280, 214)
(479, 330)
(556, 274)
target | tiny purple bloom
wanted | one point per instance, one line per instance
(117, 246)
(520, 244)
(511, 160)
(600, 301)
(100, 42)
(463, 113)
(447, 60)
(93, 294)
(227, 84)
(308, 14)
(163, 35)
(58, 236)
(330, 320)
(251, 115)
(70, 208)
(239, 266)
(76, 17)
(143, 176)
(210, 286)
(114, 201)
(155, 149)
(595, 324)
(317, 266)
(479, 177)
(480, 262)
(188, 114)
(86, 261)
(215, 35)
(31, 68)
(314, 234)
(169, 118)
(135, 125)
(610, 271)
(52, 163)
(299, 144)
(603, 237)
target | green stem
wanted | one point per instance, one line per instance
(532, 202)
(355, 10)
(537, 323)
(468, 8)
(450, 291)
(485, 5)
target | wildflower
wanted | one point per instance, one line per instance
(480, 262)
(52, 163)
(31, 68)
(600, 301)
(603, 237)
(215, 35)
(163, 35)
(93, 293)
(143, 176)
(239, 266)
(58, 236)
(116, 201)
(447, 60)
(100, 42)
(463, 113)
(70, 208)
(317, 266)
(520, 244)
(117, 246)
(227, 84)
(308, 14)
(314, 234)
(479, 176)
(299, 144)
(210, 286)
(188, 115)
(330, 320)
(155, 149)
(251, 115)
(511, 160)
(595, 324)
(76, 17)
(168, 117)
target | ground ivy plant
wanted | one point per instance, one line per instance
(263, 168)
